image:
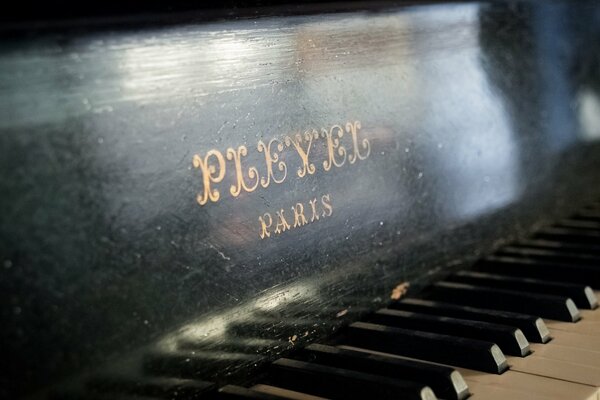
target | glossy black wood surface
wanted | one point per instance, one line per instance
(482, 121)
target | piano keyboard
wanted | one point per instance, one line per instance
(523, 323)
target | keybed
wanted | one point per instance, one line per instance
(481, 333)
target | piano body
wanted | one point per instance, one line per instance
(340, 200)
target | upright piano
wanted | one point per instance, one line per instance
(279, 200)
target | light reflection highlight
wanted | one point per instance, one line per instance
(589, 115)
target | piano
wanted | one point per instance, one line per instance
(275, 200)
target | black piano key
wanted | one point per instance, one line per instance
(533, 327)
(339, 383)
(578, 224)
(582, 295)
(511, 340)
(569, 235)
(232, 392)
(528, 267)
(165, 388)
(551, 307)
(444, 349)
(578, 248)
(199, 364)
(553, 255)
(588, 215)
(445, 381)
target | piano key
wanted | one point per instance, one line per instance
(444, 349)
(198, 364)
(578, 224)
(559, 254)
(558, 246)
(533, 327)
(553, 307)
(547, 388)
(483, 391)
(593, 205)
(521, 384)
(232, 392)
(445, 381)
(285, 393)
(584, 326)
(511, 340)
(150, 386)
(569, 235)
(557, 369)
(589, 215)
(527, 267)
(582, 295)
(570, 356)
(591, 315)
(334, 382)
(567, 353)
(573, 339)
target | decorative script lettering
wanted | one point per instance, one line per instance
(343, 146)
(274, 161)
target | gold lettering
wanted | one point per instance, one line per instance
(334, 147)
(247, 178)
(270, 159)
(282, 224)
(209, 175)
(326, 202)
(264, 226)
(322, 210)
(296, 141)
(299, 218)
(353, 128)
(236, 156)
(315, 213)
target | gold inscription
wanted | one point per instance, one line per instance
(327, 208)
(213, 166)
(282, 224)
(353, 128)
(313, 207)
(334, 148)
(299, 218)
(264, 225)
(270, 159)
(236, 156)
(321, 207)
(303, 152)
(210, 175)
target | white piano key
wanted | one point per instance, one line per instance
(522, 383)
(569, 354)
(289, 394)
(585, 326)
(573, 339)
(591, 315)
(533, 384)
(482, 391)
(557, 369)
